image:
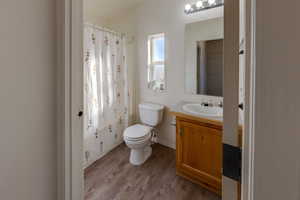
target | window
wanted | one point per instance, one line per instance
(156, 62)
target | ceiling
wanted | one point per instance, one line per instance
(106, 9)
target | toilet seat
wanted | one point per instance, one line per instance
(137, 133)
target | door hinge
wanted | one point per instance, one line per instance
(232, 162)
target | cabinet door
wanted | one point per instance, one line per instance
(199, 153)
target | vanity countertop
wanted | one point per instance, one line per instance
(177, 110)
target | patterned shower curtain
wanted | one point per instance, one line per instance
(106, 94)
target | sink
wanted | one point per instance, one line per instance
(208, 111)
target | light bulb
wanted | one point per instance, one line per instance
(199, 4)
(188, 7)
(211, 2)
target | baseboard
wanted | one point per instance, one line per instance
(166, 142)
(162, 141)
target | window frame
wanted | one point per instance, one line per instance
(152, 63)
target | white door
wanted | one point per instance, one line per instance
(231, 98)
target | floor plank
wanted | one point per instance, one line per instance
(114, 178)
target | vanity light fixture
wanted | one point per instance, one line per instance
(188, 7)
(201, 5)
(211, 2)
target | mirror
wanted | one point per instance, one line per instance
(204, 57)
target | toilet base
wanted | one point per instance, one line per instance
(139, 156)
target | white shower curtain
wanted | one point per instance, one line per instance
(106, 93)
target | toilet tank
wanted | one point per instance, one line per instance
(151, 114)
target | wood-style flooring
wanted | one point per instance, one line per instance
(114, 178)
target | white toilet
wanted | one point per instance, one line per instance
(138, 137)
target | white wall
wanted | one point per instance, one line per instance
(90, 19)
(28, 104)
(102, 11)
(157, 16)
(277, 130)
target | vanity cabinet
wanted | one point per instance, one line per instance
(199, 152)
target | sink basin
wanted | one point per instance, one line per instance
(198, 109)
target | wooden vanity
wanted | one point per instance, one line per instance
(199, 150)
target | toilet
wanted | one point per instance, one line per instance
(138, 137)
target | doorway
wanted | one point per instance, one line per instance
(73, 105)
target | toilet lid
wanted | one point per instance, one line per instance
(137, 131)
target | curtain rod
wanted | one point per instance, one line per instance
(104, 29)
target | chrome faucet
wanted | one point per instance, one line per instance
(220, 104)
(207, 104)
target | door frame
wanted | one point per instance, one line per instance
(249, 115)
(70, 101)
(231, 89)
